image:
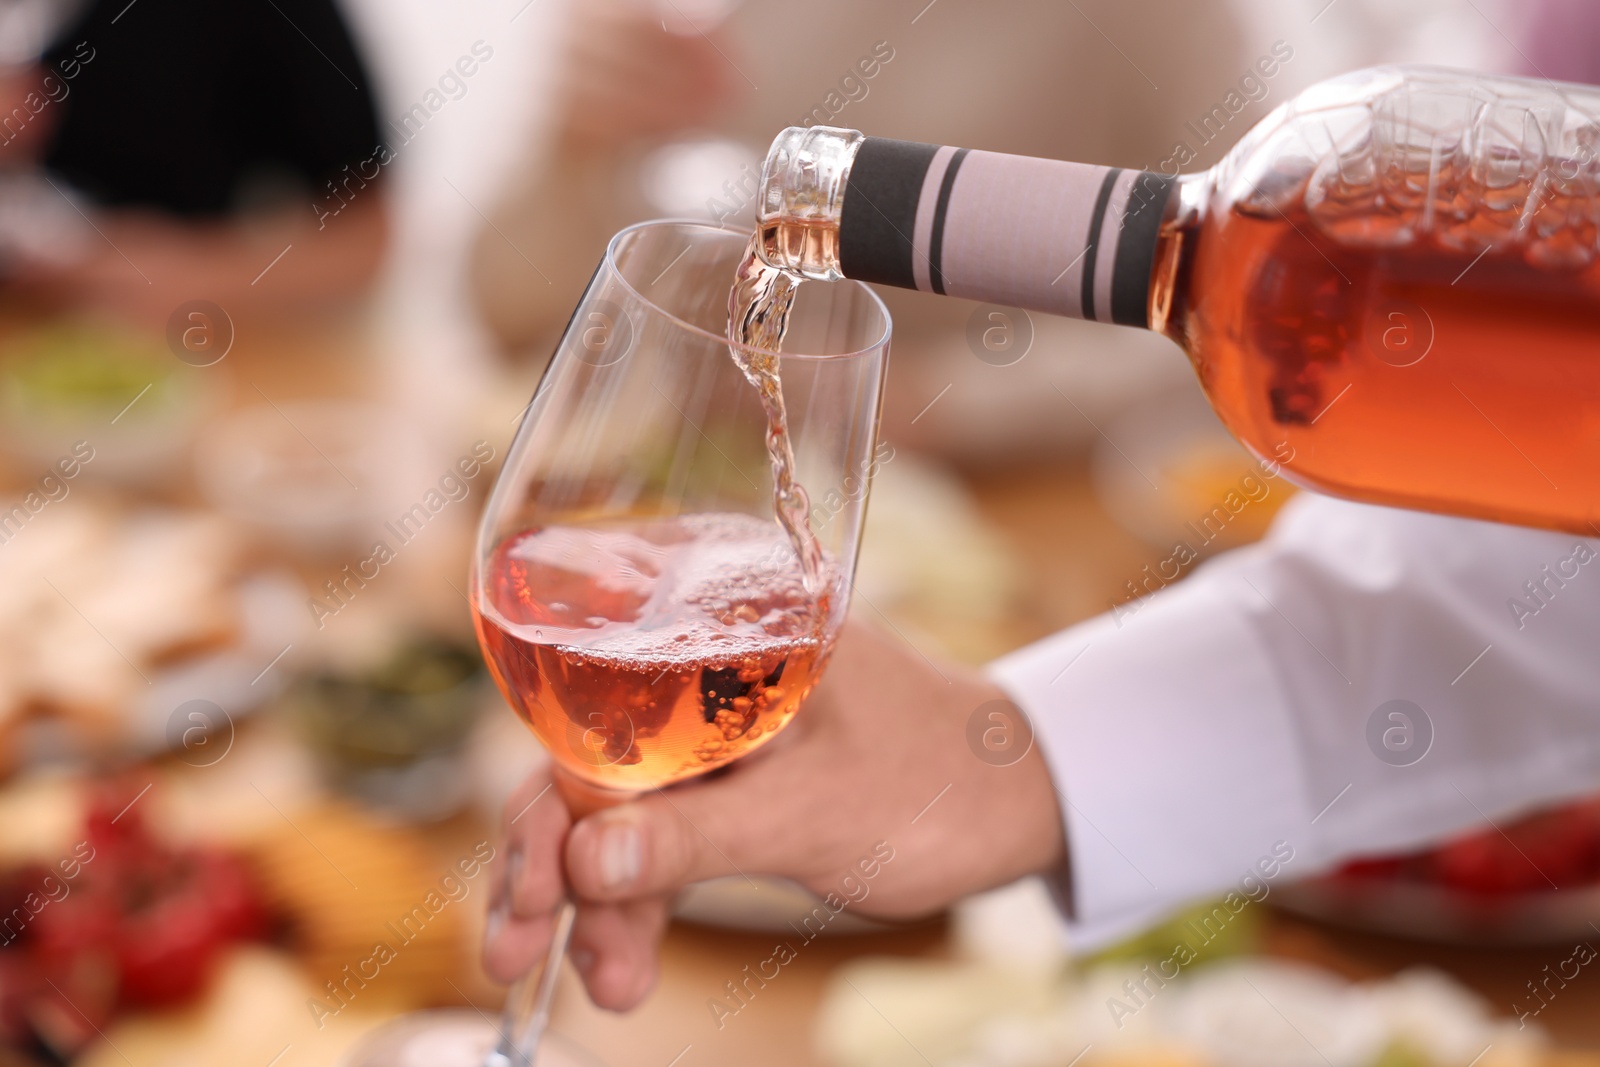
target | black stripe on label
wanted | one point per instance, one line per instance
(1136, 249)
(936, 239)
(879, 213)
(1092, 248)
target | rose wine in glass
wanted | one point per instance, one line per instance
(651, 587)
(645, 652)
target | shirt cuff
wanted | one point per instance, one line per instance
(1169, 737)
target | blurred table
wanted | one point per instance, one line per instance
(1075, 558)
(1072, 551)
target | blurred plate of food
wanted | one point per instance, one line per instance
(107, 395)
(1533, 881)
(1238, 1012)
(395, 733)
(317, 474)
(116, 922)
(114, 616)
(453, 1037)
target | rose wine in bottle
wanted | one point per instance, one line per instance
(1390, 286)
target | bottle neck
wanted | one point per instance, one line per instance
(1062, 238)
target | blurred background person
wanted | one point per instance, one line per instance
(196, 144)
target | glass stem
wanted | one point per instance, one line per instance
(527, 1012)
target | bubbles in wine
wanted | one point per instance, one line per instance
(708, 579)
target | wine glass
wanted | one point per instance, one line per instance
(638, 601)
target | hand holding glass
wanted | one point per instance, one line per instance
(639, 604)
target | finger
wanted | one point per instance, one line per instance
(616, 947)
(536, 823)
(664, 841)
(512, 947)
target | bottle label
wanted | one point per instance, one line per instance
(1062, 238)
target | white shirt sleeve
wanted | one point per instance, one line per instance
(1236, 716)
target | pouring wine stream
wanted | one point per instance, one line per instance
(758, 318)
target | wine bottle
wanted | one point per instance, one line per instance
(1389, 286)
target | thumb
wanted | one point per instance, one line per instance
(662, 842)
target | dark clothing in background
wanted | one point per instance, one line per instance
(189, 104)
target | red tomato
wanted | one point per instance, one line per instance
(1379, 868)
(165, 950)
(85, 921)
(140, 923)
(1552, 850)
(68, 1011)
(1484, 863)
(1561, 845)
(229, 891)
(19, 984)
